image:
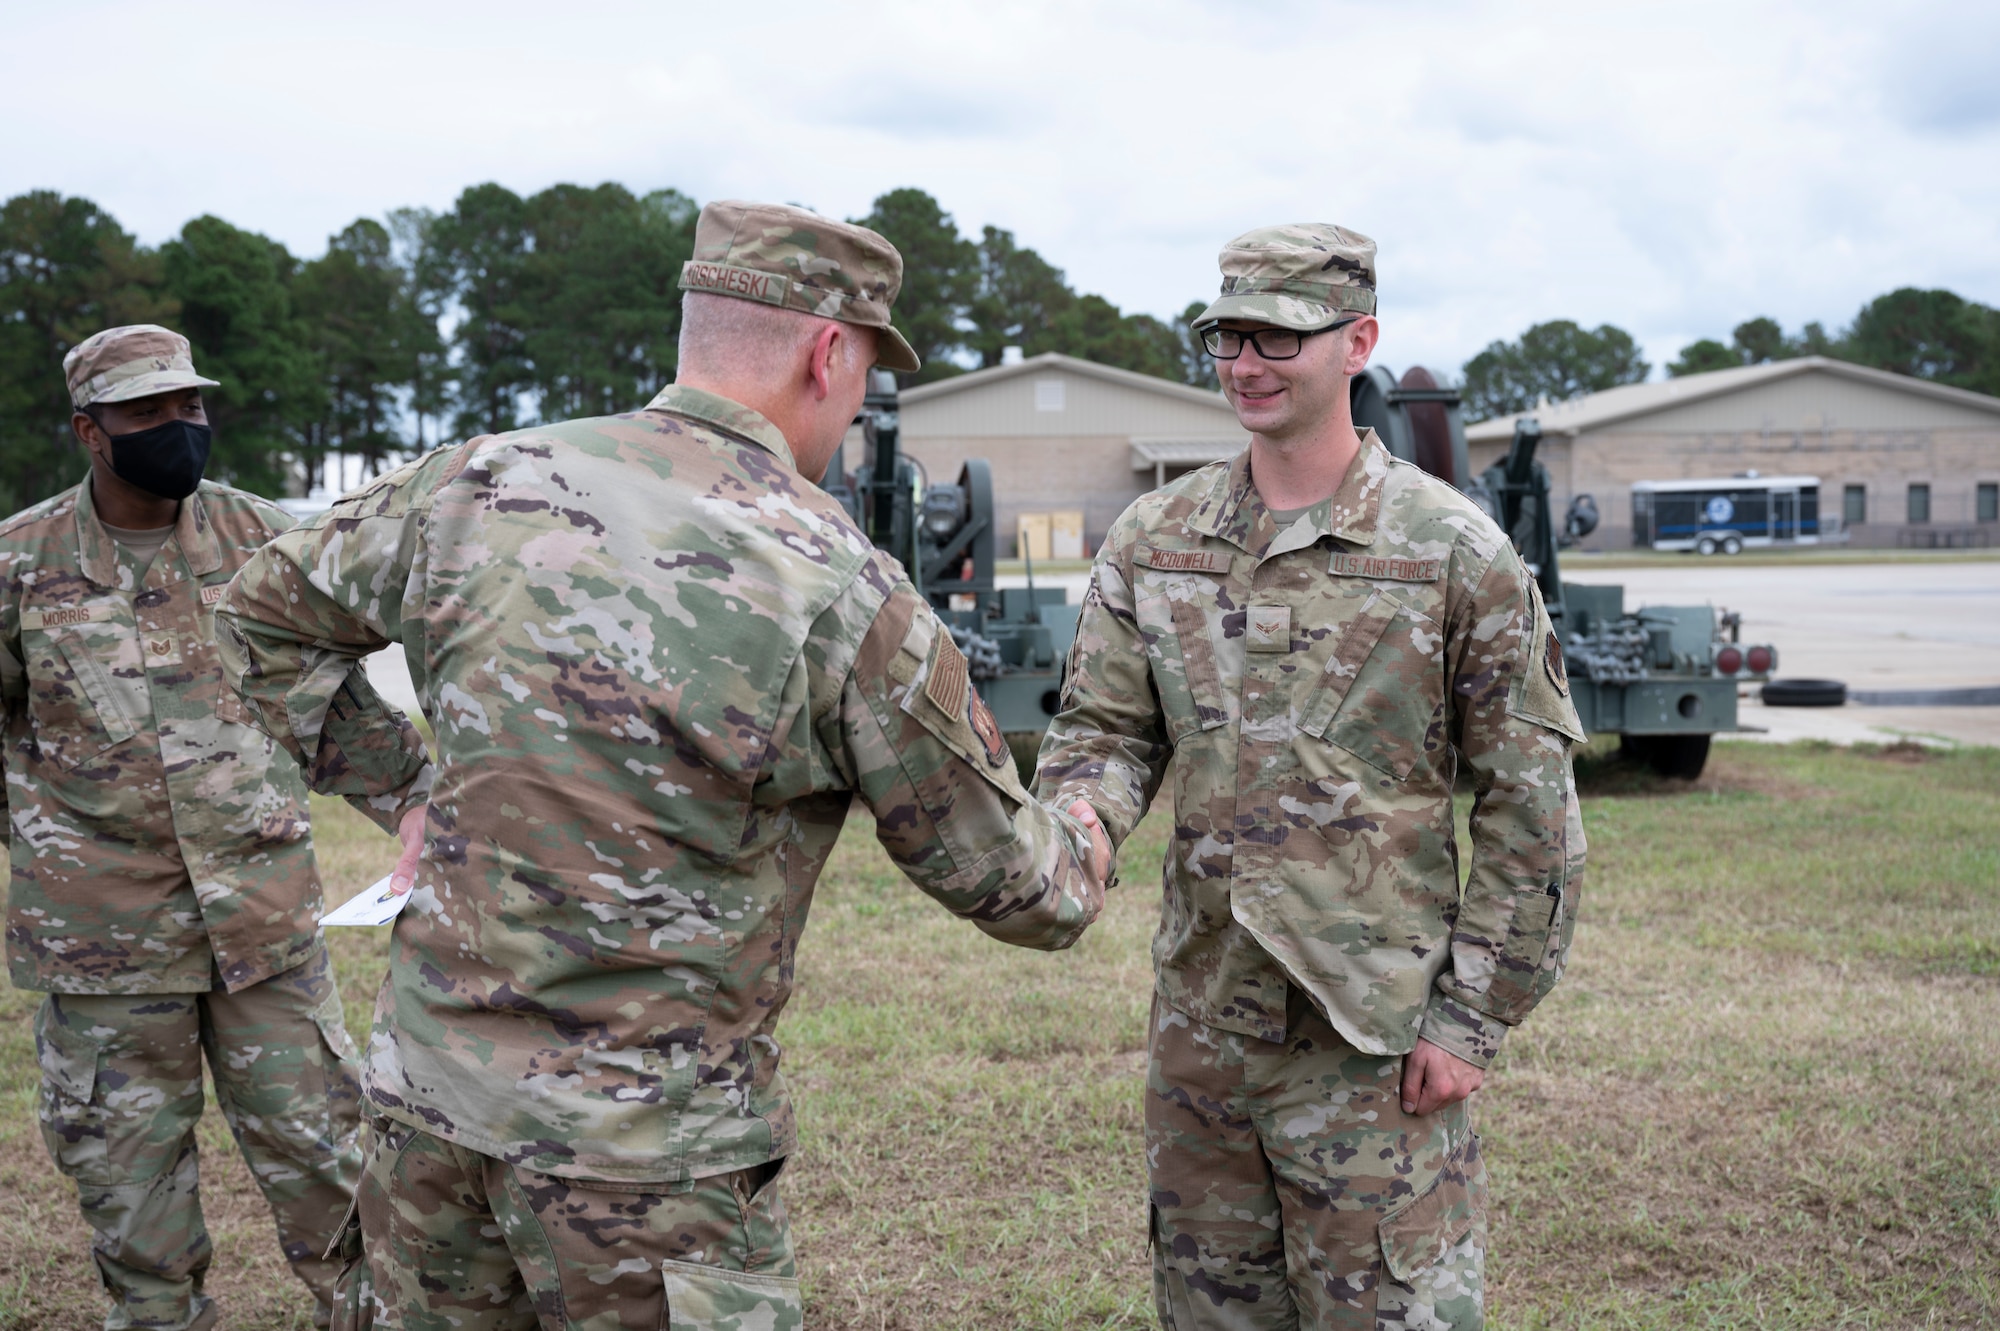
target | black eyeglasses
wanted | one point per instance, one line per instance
(1271, 343)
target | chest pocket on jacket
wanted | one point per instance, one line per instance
(1381, 695)
(86, 680)
(1173, 619)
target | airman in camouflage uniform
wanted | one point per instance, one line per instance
(661, 664)
(1318, 636)
(163, 886)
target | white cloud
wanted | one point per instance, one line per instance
(1673, 169)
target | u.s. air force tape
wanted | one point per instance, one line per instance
(1391, 568)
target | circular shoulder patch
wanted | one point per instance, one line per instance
(988, 730)
(1552, 659)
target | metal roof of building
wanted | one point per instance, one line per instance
(1055, 360)
(1147, 453)
(1596, 410)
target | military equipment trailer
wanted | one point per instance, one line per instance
(1015, 639)
(1662, 678)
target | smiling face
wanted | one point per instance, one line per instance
(1299, 397)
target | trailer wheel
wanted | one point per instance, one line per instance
(1678, 756)
(1731, 546)
(1803, 693)
(1705, 546)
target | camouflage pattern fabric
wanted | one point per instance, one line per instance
(157, 836)
(713, 1254)
(1318, 689)
(798, 260)
(121, 1096)
(136, 360)
(661, 665)
(1298, 276)
(1289, 1189)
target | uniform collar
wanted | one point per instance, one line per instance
(98, 552)
(726, 415)
(1234, 511)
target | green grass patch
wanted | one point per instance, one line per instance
(1767, 1094)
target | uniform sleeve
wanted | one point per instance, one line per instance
(910, 735)
(13, 691)
(299, 617)
(1513, 725)
(1108, 742)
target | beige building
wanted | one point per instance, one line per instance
(1900, 461)
(1065, 434)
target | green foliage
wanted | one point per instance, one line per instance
(367, 334)
(1554, 360)
(234, 289)
(1933, 335)
(976, 299)
(67, 269)
(1703, 356)
(940, 272)
(1755, 342)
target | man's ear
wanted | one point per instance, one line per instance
(88, 433)
(819, 367)
(1361, 344)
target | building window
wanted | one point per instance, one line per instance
(1920, 503)
(1854, 505)
(1989, 501)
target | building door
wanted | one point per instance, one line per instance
(1784, 515)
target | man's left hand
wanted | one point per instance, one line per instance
(1433, 1079)
(411, 833)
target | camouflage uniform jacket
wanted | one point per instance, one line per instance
(157, 836)
(660, 665)
(1317, 688)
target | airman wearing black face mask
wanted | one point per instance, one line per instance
(164, 891)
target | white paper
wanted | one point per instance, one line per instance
(378, 905)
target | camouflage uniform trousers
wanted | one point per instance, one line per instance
(1289, 1189)
(122, 1093)
(451, 1238)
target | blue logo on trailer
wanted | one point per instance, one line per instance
(1720, 509)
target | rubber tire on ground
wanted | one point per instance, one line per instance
(1803, 693)
(1678, 756)
(1731, 546)
(1705, 546)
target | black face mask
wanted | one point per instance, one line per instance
(166, 461)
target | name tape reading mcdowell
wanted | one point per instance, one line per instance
(1183, 561)
(1388, 567)
(767, 287)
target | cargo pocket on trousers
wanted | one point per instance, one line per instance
(1434, 1247)
(70, 1127)
(708, 1298)
(339, 1069)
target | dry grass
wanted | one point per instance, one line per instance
(1768, 1094)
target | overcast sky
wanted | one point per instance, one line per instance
(1670, 168)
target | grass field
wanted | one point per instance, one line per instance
(1767, 1095)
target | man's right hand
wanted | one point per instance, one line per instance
(411, 832)
(1098, 866)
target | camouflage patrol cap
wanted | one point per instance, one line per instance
(798, 260)
(137, 360)
(1300, 276)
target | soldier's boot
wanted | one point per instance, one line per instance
(121, 1094)
(288, 1080)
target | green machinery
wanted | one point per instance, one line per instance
(1015, 639)
(1662, 678)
